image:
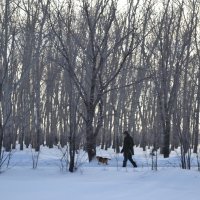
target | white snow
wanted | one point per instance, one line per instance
(97, 182)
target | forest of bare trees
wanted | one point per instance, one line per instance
(79, 73)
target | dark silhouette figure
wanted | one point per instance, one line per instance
(128, 149)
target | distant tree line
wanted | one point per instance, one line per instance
(79, 73)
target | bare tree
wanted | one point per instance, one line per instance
(7, 69)
(92, 39)
(197, 108)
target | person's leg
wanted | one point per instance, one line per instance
(131, 160)
(125, 160)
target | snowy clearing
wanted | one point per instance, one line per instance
(93, 181)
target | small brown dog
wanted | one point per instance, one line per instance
(102, 160)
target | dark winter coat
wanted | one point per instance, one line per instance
(128, 145)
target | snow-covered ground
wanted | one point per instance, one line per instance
(97, 182)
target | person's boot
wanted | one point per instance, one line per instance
(124, 164)
(134, 164)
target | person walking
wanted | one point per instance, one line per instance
(127, 149)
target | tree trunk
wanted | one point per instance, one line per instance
(90, 137)
(166, 138)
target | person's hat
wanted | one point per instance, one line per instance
(125, 132)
